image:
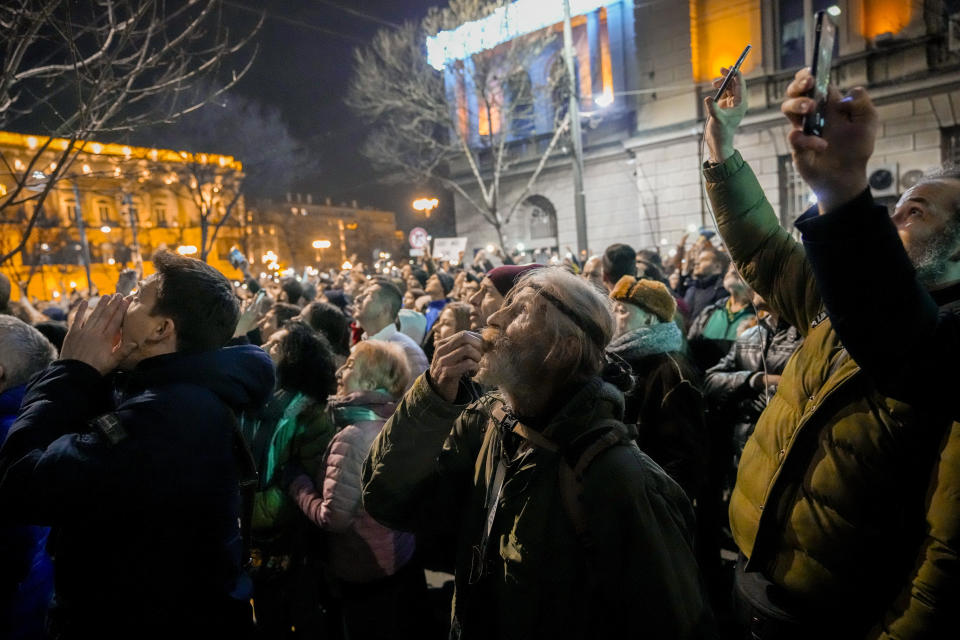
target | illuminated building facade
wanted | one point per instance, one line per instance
(293, 233)
(642, 179)
(132, 201)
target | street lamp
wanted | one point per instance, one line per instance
(426, 205)
(320, 245)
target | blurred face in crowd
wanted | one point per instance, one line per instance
(269, 325)
(368, 304)
(348, 379)
(446, 325)
(593, 271)
(674, 280)
(468, 290)
(434, 287)
(485, 302)
(629, 317)
(272, 346)
(409, 299)
(928, 221)
(732, 281)
(707, 265)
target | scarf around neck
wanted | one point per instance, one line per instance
(644, 341)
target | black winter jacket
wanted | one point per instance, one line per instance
(146, 539)
(727, 384)
(919, 365)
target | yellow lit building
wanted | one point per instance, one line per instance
(294, 233)
(132, 201)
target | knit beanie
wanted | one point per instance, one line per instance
(649, 295)
(503, 278)
(446, 281)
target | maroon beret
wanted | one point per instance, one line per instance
(503, 278)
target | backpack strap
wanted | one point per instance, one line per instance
(574, 464)
(248, 483)
(574, 461)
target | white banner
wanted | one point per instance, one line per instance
(449, 248)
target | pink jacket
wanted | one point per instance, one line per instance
(359, 548)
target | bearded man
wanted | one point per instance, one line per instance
(847, 502)
(529, 563)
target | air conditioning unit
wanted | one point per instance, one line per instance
(909, 178)
(883, 180)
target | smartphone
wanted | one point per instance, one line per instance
(731, 73)
(826, 35)
(236, 258)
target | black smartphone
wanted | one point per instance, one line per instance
(731, 73)
(826, 35)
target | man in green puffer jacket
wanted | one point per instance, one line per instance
(838, 503)
(524, 568)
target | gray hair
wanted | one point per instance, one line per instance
(24, 351)
(587, 315)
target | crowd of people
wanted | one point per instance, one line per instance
(750, 437)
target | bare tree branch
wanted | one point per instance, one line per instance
(82, 71)
(421, 119)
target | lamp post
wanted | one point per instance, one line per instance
(579, 198)
(320, 245)
(425, 204)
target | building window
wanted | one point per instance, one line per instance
(795, 29)
(950, 144)
(520, 101)
(543, 218)
(160, 213)
(103, 210)
(718, 31)
(795, 195)
(488, 107)
(70, 210)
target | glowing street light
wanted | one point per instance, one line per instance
(320, 245)
(105, 228)
(186, 250)
(426, 205)
(604, 100)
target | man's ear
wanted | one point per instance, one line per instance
(3, 378)
(163, 331)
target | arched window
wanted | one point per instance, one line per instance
(520, 103)
(542, 217)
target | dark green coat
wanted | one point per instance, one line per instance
(423, 475)
(837, 497)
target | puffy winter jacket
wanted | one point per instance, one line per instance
(360, 549)
(834, 501)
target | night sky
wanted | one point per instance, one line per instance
(303, 69)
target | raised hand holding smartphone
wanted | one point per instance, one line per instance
(826, 35)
